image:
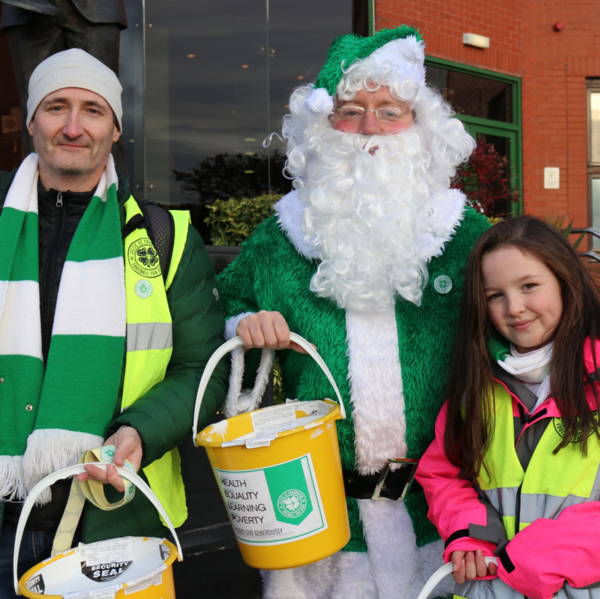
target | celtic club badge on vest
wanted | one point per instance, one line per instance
(143, 258)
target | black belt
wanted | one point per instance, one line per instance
(392, 482)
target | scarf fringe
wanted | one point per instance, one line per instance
(12, 487)
(49, 450)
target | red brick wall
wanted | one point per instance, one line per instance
(553, 67)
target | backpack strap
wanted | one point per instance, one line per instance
(159, 223)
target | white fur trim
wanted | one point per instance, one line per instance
(407, 55)
(290, 214)
(11, 477)
(239, 401)
(393, 568)
(376, 388)
(319, 101)
(231, 324)
(392, 548)
(444, 210)
(344, 575)
(430, 558)
(51, 449)
(236, 374)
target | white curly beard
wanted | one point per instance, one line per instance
(365, 200)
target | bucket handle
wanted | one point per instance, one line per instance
(71, 471)
(236, 342)
(441, 573)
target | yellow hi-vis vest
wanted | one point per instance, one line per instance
(551, 483)
(150, 341)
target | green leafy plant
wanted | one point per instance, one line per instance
(566, 228)
(231, 221)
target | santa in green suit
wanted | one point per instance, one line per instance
(365, 259)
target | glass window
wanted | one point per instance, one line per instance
(473, 95)
(218, 79)
(595, 190)
(593, 161)
(594, 126)
(484, 102)
(486, 177)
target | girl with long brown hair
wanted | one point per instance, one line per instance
(514, 469)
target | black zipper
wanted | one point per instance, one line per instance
(51, 266)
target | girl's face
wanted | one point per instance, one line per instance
(523, 297)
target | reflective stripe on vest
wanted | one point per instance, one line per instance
(150, 342)
(551, 483)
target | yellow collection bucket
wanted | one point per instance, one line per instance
(122, 568)
(279, 473)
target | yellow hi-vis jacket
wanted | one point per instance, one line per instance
(150, 342)
(539, 511)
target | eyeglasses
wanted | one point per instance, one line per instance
(387, 114)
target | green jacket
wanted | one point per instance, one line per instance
(163, 416)
(270, 274)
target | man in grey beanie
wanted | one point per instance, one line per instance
(103, 336)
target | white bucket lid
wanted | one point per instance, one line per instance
(268, 422)
(102, 567)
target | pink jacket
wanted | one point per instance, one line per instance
(541, 558)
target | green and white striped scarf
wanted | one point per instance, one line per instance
(51, 413)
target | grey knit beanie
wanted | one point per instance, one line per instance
(74, 68)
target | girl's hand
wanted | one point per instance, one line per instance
(467, 565)
(266, 329)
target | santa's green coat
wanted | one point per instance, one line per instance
(273, 272)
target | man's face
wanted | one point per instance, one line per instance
(73, 130)
(371, 117)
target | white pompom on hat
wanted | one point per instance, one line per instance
(74, 68)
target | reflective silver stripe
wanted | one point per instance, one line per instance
(538, 505)
(595, 494)
(149, 335)
(504, 499)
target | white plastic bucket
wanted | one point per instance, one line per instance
(123, 568)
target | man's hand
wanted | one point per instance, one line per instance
(266, 329)
(467, 565)
(128, 444)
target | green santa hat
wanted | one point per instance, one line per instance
(400, 49)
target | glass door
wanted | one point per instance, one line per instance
(490, 178)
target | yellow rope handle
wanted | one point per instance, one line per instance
(93, 491)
